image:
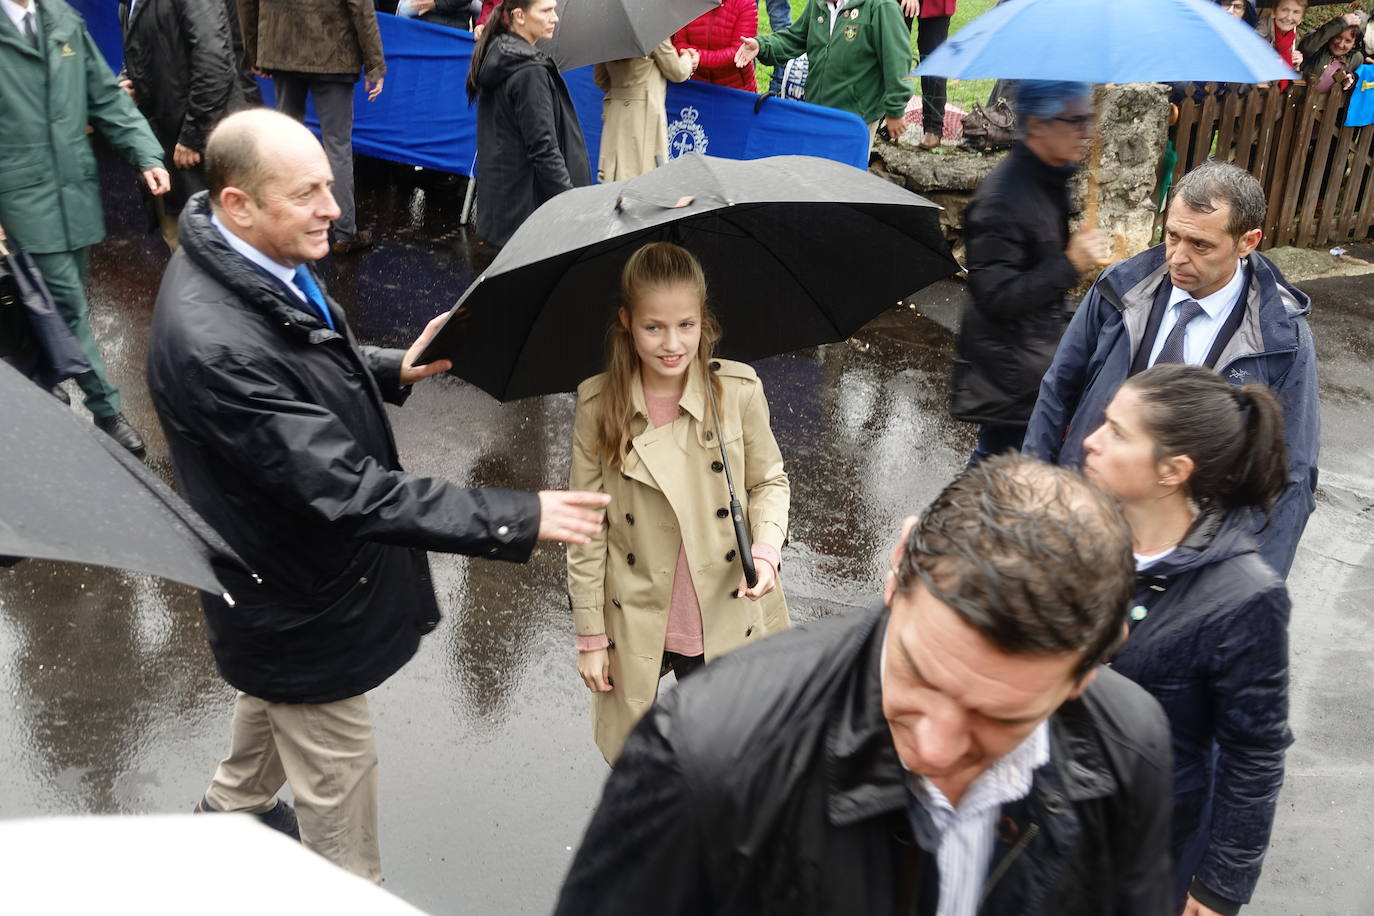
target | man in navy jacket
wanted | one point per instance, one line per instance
(1239, 315)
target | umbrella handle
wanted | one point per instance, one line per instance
(746, 544)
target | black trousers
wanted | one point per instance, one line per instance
(930, 34)
(681, 665)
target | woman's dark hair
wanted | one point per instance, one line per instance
(499, 23)
(1233, 435)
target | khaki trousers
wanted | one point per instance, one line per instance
(328, 753)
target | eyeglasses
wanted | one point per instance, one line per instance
(1081, 122)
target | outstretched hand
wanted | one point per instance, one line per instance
(571, 516)
(748, 50)
(411, 373)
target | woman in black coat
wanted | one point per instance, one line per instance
(529, 142)
(1189, 456)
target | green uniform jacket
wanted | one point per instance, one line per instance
(864, 66)
(49, 192)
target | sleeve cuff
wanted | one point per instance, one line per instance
(593, 643)
(1212, 900)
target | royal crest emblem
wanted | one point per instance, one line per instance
(851, 32)
(686, 135)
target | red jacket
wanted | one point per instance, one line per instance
(487, 7)
(932, 8)
(716, 35)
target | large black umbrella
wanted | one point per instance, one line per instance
(592, 31)
(798, 251)
(70, 492)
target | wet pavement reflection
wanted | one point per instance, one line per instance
(111, 702)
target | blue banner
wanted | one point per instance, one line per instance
(423, 118)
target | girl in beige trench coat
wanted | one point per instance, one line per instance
(661, 586)
(634, 137)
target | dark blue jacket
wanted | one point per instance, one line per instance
(1211, 645)
(1273, 346)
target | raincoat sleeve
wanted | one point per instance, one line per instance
(1249, 700)
(212, 68)
(764, 477)
(1003, 284)
(306, 457)
(112, 112)
(644, 851)
(1278, 536)
(533, 103)
(1063, 384)
(674, 66)
(587, 562)
(364, 16)
(780, 47)
(385, 365)
(894, 52)
(248, 28)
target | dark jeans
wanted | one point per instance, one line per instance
(930, 34)
(779, 18)
(681, 665)
(994, 440)
(334, 105)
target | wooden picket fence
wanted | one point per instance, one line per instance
(1318, 175)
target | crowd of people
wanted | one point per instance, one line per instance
(1084, 637)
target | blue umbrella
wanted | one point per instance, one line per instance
(1108, 41)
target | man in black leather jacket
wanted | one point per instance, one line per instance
(958, 750)
(279, 436)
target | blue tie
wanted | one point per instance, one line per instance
(1172, 351)
(306, 284)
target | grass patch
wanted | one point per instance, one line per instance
(962, 93)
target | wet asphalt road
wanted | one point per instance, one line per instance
(488, 768)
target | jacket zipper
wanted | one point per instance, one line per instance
(1031, 832)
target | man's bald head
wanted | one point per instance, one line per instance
(243, 149)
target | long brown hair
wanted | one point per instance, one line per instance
(655, 266)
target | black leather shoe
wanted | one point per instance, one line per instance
(118, 429)
(61, 394)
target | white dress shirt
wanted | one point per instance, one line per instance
(17, 14)
(283, 273)
(968, 833)
(1202, 331)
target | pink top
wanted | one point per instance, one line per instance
(684, 610)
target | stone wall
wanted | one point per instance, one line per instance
(1133, 122)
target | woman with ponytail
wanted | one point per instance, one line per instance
(529, 142)
(1189, 456)
(661, 588)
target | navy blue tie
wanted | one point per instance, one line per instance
(1172, 351)
(306, 284)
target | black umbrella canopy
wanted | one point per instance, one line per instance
(592, 31)
(798, 251)
(69, 492)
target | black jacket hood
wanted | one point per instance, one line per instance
(505, 54)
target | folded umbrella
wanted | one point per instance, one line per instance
(69, 492)
(34, 338)
(1108, 41)
(798, 251)
(592, 31)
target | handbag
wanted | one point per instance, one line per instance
(988, 129)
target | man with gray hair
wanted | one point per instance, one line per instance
(1022, 261)
(1203, 297)
(957, 748)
